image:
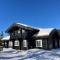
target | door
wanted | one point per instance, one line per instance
(55, 43)
(25, 44)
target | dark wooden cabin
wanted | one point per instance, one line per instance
(26, 37)
(21, 36)
(5, 42)
(47, 38)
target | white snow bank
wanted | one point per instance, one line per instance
(32, 54)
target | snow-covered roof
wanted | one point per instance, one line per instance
(44, 32)
(6, 38)
(28, 26)
(22, 24)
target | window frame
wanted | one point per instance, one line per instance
(25, 44)
(39, 43)
(16, 43)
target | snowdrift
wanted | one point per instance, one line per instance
(32, 54)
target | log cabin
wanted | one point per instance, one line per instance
(25, 37)
(5, 42)
(47, 38)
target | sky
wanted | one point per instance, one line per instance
(38, 13)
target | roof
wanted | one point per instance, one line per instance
(23, 24)
(40, 31)
(44, 32)
(6, 38)
(20, 25)
(28, 26)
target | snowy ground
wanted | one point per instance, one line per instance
(32, 54)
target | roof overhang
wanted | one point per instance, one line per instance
(19, 25)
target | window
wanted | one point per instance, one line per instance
(38, 43)
(18, 31)
(16, 43)
(10, 43)
(24, 43)
(23, 31)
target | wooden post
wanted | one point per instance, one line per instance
(4, 44)
(58, 43)
(7, 44)
(21, 32)
(20, 40)
(20, 43)
(28, 44)
(13, 45)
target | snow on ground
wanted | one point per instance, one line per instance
(32, 54)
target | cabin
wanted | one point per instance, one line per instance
(25, 37)
(6, 40)
(47, 38)
(21, 36)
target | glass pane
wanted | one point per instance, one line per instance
(24, 43)
(10, 43)
(16, 43)
(23, 31)
(38, 43)
(18, 31)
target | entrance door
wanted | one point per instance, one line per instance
(55, 43)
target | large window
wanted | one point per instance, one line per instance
(18, 31)
(24, 43)
(10, 44)
(23, 31)
(16, 43)
(38, 43)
